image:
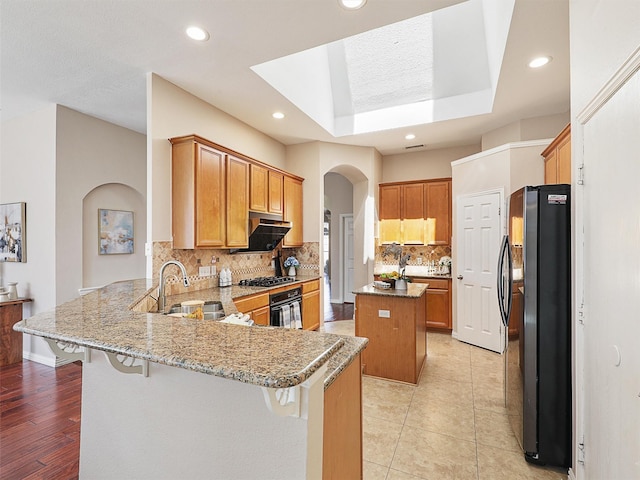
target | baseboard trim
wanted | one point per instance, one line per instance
(44, 360)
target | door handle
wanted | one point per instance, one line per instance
(460, 277)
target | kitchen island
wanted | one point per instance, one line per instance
(166, 397)
(394, 322)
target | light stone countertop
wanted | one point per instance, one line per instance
(264, 356)
(414, 290)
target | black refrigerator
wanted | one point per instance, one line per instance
(534, 296)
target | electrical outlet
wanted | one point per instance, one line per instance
(147, 249)
(419, 260)
(204, 271)
(214, 271)
(384, 313)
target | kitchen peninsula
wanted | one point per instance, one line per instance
(394, 322)
(166, 397)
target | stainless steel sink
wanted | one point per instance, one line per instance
(212, 310)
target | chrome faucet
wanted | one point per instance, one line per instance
(161, 295)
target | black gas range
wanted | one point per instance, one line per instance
(266, 281)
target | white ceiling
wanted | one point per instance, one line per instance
(93, 56)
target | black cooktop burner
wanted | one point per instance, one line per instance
(266, 281)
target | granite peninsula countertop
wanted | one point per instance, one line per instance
(414, 290)
(264, 356)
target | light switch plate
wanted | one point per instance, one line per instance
(204, 271)
(384, 313)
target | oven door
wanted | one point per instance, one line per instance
(287, 314)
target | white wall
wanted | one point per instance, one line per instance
(548, 126)
(362, 167)
(605, 112)
(50, 160)
(338, 194)
(508, 167)
(28, 175)
(98, 270)
(424, 164)
(172, 112)
(91, 153)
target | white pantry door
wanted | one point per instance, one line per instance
(478, 234)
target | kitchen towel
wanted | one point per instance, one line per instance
(297, 317)
(286, 316)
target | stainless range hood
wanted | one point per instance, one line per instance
(266, 234)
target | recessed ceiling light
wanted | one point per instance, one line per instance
(278, 115)
(409, 136)
(539, 62)
(352, 4)
(197, 33)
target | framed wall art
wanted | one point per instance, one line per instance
(115, 232)
(13, 232)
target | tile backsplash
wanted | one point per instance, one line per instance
(426, 252)
(242, 264)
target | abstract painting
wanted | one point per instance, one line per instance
(115, 232)
(13, 232)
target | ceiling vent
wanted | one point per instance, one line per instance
(414, 146)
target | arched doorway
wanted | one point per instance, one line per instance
(340, 203)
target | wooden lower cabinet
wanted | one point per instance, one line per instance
(311, 305)
(261, 316)
(10, 340)
(342, 438)
(438, 306)
(397, 343)
(256, 306)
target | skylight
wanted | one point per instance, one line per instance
(434, 67)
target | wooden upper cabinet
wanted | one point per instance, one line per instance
(557, 159)
(237, 202)
(292, 211)
(266, 190)
(198, 194)
(412, 201)
(390, 202)
(275, 192)
(437, 199)
(259, 184)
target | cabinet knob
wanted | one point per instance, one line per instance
(460, 277)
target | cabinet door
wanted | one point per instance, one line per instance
(311, 310)
(412, 201)
(209, 197)
(564, 160)
(438, 210)
(261, 316)
(293, 211)
(438, 308)
(551, 168)
(237, 202)
(389, 202)
(275, 192)
(342, 437)
(259, 185)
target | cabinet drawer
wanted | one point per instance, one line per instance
(438, 283)
(251, 302)
(310, 286)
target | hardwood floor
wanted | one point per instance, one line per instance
(335, 311)
(40, 421)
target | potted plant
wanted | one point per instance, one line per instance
(291, 263)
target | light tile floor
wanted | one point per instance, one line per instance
(452, 425)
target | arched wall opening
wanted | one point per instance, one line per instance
(345, 196)
(99, 269)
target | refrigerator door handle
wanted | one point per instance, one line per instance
(505, 298)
